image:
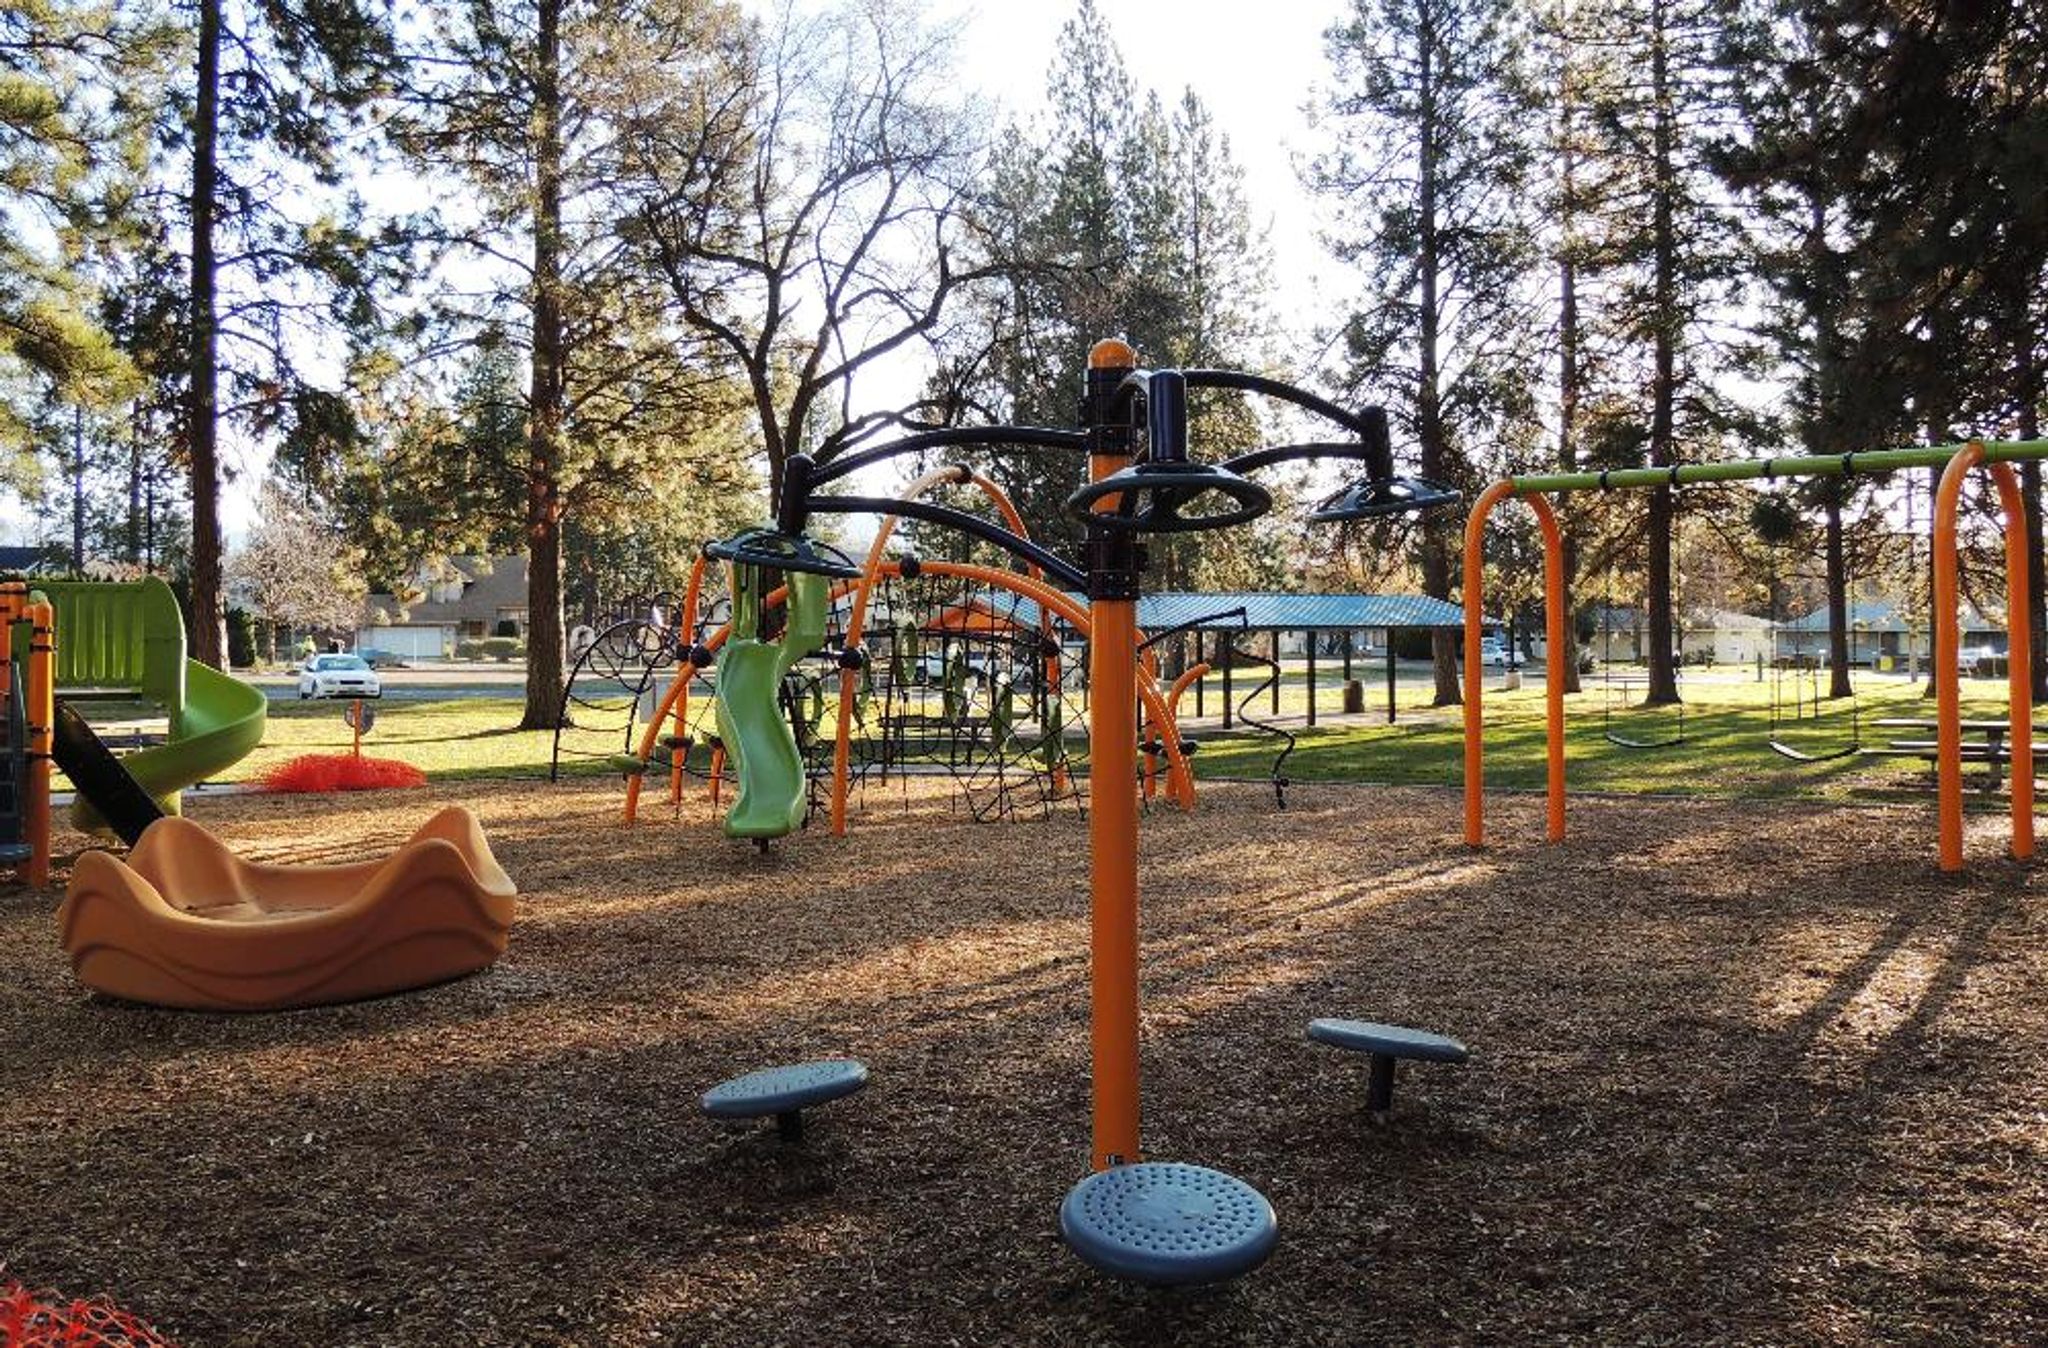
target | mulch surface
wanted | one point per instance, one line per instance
(1740, 1074)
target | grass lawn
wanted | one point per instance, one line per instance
(1725, 751)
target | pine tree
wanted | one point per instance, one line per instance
(1425, 180)
(1127, 219)
(279, 255)
(545, 111)
(1661, 98)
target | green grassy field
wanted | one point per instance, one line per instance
(1724, 753)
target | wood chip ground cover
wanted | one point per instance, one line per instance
(1741, 1074)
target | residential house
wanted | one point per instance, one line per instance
(1881, 633)
(462, 599)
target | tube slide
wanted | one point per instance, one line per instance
(221, 725)
(758, 738)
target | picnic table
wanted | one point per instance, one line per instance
(1992, 751)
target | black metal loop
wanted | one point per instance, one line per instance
(1378, 498)
(782, 552)
(1153, 495)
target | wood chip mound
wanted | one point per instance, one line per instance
(1741, 1073)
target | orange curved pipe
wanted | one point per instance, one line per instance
(677, 699)
(1948, 680)
(1185, 783)
(1553, 685)
(872, 571)
(1049, 600)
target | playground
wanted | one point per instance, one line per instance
(1504, 1078)
(1748, 1072)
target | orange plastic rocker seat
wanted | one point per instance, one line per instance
(184, 922)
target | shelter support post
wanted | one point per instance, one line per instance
(1311, 676)
(1393, 676)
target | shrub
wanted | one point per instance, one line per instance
(241, 638)
(501, 649)
(469, 649)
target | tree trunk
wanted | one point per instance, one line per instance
(2037, 584)
(134, 532)
(78, 487)
(1439, 549)
(1564, 663)
(1664, 386)
(1839, 684)
(209, 618)
(546, 649)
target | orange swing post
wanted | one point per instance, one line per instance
(1554, 619)
(1948, 732)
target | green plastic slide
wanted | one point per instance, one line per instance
(759, 742)
(129, 636)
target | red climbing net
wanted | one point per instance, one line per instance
(46, 1320)
(341, 772)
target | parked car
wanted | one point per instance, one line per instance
(339, 676)
(931, 668)
(1972, 661)
(1493, 651)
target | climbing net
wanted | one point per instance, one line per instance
(616, 681)
(969, 680)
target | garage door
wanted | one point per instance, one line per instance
(408, 643)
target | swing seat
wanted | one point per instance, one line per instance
(1784, 750)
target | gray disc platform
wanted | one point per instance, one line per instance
(1168, 1224)
(784, 1091)
(1393, 1041)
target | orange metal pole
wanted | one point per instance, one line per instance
(685, 672)
(1948, 731)
(1475, 673)
(1475, 582)
(2019, 660)
(1113, 848)
(41, 691)
(1554, 618)
(1113, 832)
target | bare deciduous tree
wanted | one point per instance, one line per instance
(295, 571)
(821, 231)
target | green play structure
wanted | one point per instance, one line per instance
(127, 639)
(759, 741)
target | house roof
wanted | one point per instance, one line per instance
(489, 585)
(25, 560)
(1882, 615)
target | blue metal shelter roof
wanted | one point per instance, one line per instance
(1244, 611)
(1297, 612)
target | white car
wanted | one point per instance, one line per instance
(338, 676)
(1967, 658)
(1493, 651)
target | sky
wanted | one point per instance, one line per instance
(1255, 78)
(1254, 74)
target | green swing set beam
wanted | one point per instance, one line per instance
(1737, 470)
